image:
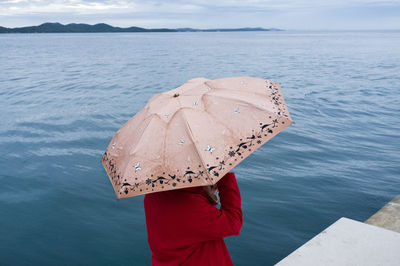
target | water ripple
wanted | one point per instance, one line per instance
(63, 96)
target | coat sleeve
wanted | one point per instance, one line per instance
(208, 222)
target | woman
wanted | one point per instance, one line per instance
(184, 227)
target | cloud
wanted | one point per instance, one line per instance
(301, 14)
(18, 7)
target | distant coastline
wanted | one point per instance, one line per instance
(102, 27)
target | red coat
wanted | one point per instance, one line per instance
(185, 228)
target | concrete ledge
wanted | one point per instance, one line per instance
(388, 217)
(349, 242)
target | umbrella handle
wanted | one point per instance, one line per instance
(211, 192)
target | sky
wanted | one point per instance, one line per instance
(283, 14)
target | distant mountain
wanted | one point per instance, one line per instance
(102, 27)
(73, 27)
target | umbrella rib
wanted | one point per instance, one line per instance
(246, 92)
(239, 100)
(150, 117)
(220, 122)
(194, 143)
(263, 109)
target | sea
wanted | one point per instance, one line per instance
(63, 96)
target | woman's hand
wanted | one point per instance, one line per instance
(211, 193)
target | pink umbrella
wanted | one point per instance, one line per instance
(193, 135)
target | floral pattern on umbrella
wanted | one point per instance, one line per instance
(204, 173)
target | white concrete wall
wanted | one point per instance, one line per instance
(348, 242)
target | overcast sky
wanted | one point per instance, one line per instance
(284, 14)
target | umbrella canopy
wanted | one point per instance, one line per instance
(193, 135)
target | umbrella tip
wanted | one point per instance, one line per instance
(176, 94)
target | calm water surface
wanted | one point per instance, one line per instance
(63, 96)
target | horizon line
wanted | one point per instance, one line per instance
(261, 28)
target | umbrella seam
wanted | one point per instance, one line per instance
(240, 100)
(196, 148)
(255, 92)
(150, 117)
